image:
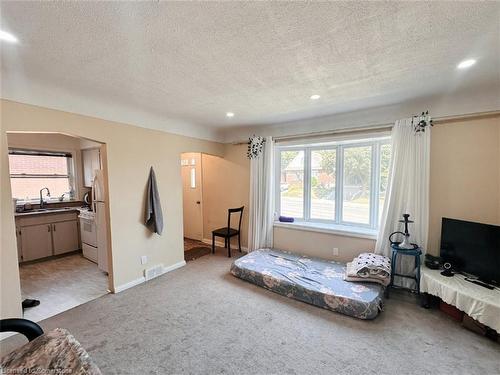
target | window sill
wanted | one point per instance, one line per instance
(341, 230)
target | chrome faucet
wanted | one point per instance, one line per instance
(42, 203)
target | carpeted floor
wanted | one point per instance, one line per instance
(201, 320)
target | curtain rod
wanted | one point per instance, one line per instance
(345, 131)
(379, 127)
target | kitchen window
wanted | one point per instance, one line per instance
(31, 171)
(338, 185)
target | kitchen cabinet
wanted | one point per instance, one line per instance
(91, 161)
(65, 237)
(41, 236)
(36, 242)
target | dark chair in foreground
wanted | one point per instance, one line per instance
(26, 327)
(228, 232)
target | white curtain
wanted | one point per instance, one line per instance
(407, 192)
(260, 231)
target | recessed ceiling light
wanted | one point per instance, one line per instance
(8, 37)
(466, 64)
(229, 114)
(315, 97)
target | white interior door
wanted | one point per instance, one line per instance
(192, 195)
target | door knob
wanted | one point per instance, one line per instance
(198, 202)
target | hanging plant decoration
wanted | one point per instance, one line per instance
(255, 146)
(421, 122)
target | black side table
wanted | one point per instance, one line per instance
(396, 250)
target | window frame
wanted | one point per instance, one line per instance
(309, 182)
(37, 152)
(340, 145)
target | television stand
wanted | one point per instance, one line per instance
(478, 282)
(477, 301)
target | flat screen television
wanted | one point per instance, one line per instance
(472, 248)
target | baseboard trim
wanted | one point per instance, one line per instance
(130, 284)
(221, 244)
(174, 267)
(140, 280)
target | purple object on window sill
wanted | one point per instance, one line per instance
(286, 219)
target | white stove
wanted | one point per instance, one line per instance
(88, 234)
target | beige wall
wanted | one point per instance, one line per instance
(87, 143)
(465, 174)
(226, 184)
(10, 289)
(321, 244)
(130, 152)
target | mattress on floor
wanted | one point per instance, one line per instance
(311, 280)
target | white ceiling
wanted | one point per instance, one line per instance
(181, 66)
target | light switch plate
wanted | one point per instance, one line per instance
(144, 259)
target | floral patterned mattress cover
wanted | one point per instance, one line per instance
(311, 280)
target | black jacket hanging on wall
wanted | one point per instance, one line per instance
(154, 216)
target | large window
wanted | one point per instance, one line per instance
(31, 171)
(339, 183)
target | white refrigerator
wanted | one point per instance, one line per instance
(99, 207)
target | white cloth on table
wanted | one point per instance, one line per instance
(478, 302)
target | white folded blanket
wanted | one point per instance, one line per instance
(369, 267)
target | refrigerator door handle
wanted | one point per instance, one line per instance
(93, 192)
(98, 186)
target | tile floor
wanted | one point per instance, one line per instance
(60, 284)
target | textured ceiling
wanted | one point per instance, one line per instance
(194, 61)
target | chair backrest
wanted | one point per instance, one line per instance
(232, 211)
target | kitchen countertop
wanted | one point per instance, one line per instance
(46, 211)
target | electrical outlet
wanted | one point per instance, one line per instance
(144, 259)
(335, 251)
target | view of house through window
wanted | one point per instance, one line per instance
(292, 183)
(32, 171)
(338, 183)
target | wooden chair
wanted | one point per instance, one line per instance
(228, 232)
